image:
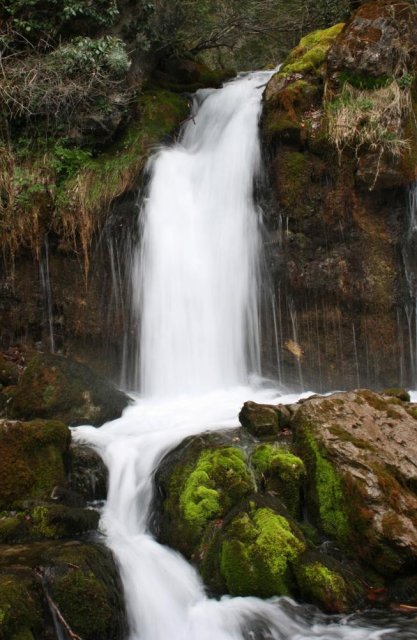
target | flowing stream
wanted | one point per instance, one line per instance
(196, 287)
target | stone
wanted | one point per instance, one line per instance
(360, 454)
(56, 387)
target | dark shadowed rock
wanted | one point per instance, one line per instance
(55, 387)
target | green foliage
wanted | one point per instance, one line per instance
(88, 55)
(361, 81)
(31, 20)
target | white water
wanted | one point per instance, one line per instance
(199, 343)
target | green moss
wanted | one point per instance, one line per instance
(80, 595)
(256, 556)
(281, 472)
(325, 486)
(345, 436)
(399, 394)
(20, 606)
(323, 587)
(217, 476)
(32, 455)
(311, 52)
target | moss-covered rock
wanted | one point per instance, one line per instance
(21, 606)
(311, 53)
(54, 387)
(83, 581)
(361, 481)
(198, 483)
(327, 583)
(252, 552)
(32, 460)
(263, 420)
(400, 394)
(281, 472)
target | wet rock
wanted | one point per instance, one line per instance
(55, 387)
(263, 420)
(88, 475)
(32, 460)
(360, 456)
(198, 483)
(21, 605)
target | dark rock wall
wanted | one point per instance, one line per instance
(337, 218)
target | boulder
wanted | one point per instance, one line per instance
(55, 387)
(78, 581)
(264, 420)
(360, 454)
(198, 483)
(88, 475)
(252, 552)
(32, 458)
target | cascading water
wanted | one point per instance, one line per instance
(196, 278)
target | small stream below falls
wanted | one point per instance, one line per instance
(195, 286)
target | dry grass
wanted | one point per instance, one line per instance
(370, 118)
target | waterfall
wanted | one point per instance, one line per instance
(195, 281)
(196, 290)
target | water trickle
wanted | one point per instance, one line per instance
(45, 279)
(196, 288)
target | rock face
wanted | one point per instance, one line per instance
(361, 461)
(341, 145)
(55, 387)
(328, 516)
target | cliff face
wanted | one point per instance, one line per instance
(340, 135)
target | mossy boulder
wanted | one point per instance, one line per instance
(281, 472)
(198, 483)
(84, 583)
(55, 387)
(361, 479)
(400, 394)
(21, 605)
(253, 551)
(263, 420)
(46, 522)
(32, 460)
(311, 53)
(80, 579)
(327, 583)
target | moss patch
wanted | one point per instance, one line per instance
(20, 605)
(280, 471)
(32, 459)
(324, 486)
(323, 587)
(311, 52)
(256, 556)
